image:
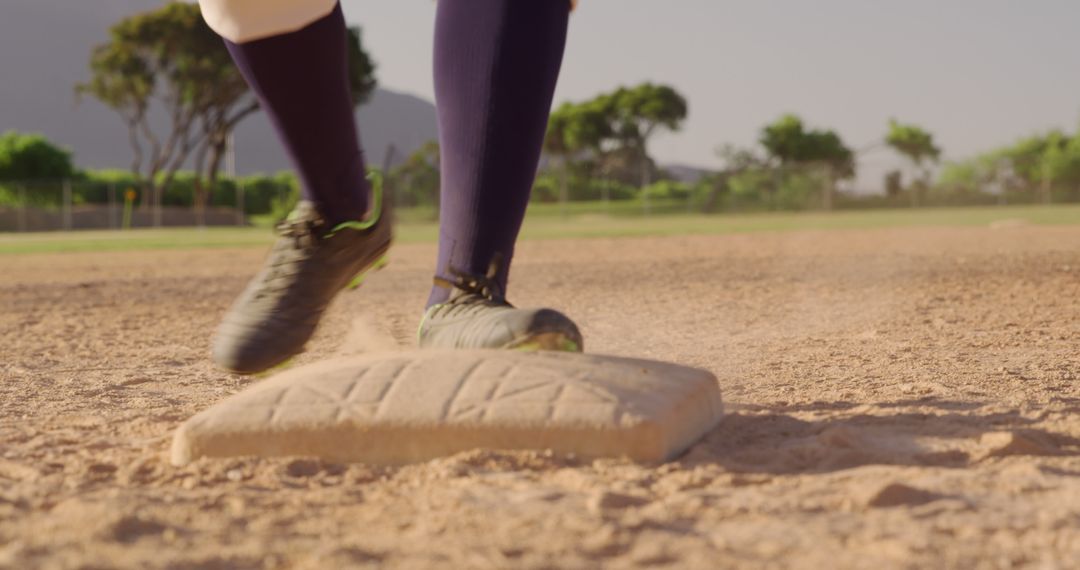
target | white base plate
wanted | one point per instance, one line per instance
(396, 408)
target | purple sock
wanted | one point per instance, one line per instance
(302, 81)
(496, 64)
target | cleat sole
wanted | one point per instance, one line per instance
(552, 341)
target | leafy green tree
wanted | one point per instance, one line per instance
(917, 145)
(214, 89)
(32, 157)
(573, 130)
(785, 139)
(559, 146)
(894, 183)
(1025, 157)
(612, 131)
(788, 142)
(637, 113)
(1059, 165)
(1042, 164)
(142, 63)
(913, 142)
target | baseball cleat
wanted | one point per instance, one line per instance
(478, 316)
(310, 263)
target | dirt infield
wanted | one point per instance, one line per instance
(896, 398)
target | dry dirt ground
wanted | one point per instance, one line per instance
(896, 398)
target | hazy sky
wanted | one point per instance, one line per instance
(977, 73)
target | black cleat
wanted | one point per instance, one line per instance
(311, 263)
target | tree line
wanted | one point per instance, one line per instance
(1044, 167)
(598, 150)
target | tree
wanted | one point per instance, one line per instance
(637, 113)
(170, 59)
(913, 142)
(1059, 164)
(557, 144)
(917, 145)
(612, 130)
(785, 139)
(32, 157)
(894, 183)
(217, 92)
(572, 130)
(142, 63)
(1020, 166)
(788, 142)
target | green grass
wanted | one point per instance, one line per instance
(546, 222)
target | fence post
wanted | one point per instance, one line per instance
(66, 208)
(158, 197)
(239, 203)
(828, 189)
(646, 181)
(564, 191)
(111, 191)
(129, 205)
(1001, 178)
(22, 208)
(1047, 183)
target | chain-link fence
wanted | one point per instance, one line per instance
(74, 204)
(119, 203)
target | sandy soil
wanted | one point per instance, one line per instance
(901, 398)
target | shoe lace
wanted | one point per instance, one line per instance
(470, 287)
(302, 234)
(471, 295)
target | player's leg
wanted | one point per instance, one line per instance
(496, 65)
(301, 80)
(293, 55)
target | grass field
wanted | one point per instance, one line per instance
(546, 222)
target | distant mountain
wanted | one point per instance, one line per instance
(47, 45)
(388, 119)
(686, 173)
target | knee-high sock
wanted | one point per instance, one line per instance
(301, 80)
(496, 64)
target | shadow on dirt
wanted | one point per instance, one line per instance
(942, 433)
